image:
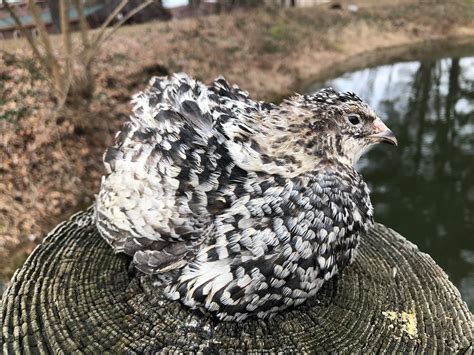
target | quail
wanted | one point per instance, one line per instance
(239, 208)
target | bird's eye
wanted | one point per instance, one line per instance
(354, 119)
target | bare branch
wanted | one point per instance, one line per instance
(66, 34)
(109, 19)
(100, 41)
(52, 62)
(66, 81)
(43, 33)
(43, 62)
(125, 19)
(82, 23)
(26, 34)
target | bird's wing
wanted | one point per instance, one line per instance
(276, 245)
(167, 168)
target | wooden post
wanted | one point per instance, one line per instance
(74, 294)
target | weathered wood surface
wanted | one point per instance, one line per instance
(73, 294)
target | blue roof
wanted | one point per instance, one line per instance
(27, 20)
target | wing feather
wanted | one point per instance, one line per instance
(169, 169)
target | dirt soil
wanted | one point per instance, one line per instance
(51, 162)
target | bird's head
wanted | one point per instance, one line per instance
(342, 126)
(306, 131)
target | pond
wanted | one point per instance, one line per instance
(424, 189)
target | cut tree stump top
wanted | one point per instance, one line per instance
(73, 294)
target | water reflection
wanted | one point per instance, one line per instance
(425, 188)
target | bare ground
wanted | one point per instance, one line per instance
(50, 162)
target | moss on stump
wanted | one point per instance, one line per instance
(74, 295)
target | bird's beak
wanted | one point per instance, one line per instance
(382, 133)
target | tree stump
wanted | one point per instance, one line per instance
(73, 294)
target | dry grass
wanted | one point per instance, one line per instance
(51, 163)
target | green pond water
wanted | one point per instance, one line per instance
(424, 189)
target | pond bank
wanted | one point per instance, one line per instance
(52, 164)
(431, 49)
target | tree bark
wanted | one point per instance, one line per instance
(73, 294)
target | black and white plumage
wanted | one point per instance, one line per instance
(239, 207)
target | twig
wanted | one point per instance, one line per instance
(44, 36)
(104, 25)
(25, 33)
(131, 13)
(82, 23)
(31, 42)
(85, 41)
(125, 19)
(66, 33)
(62, 78)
